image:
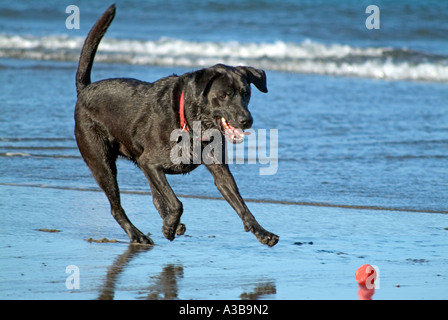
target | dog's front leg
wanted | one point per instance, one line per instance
(171, 218)
(225, 183)
(162, 208)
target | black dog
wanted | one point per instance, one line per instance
(134, 119)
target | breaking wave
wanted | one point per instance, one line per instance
(306, 57)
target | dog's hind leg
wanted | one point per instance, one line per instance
(100, 157)
(162, 208)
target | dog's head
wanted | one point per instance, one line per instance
(222, 94)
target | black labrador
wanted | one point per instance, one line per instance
(135, 119)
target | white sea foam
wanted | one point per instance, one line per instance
(305, 57)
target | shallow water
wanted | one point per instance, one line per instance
(344, 141)
(362, 161)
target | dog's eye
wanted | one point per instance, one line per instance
(223, 96)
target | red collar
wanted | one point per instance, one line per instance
(183, 122)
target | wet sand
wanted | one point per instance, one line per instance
(45, 230)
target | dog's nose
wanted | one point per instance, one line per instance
(245, 121)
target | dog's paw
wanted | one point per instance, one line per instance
(181, 228)
(268, 239)
(140, 238)
(172, 226)
(265, 237)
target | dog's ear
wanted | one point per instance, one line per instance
(203, 80)
(255, 76)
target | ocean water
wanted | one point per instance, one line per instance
(317, 37)
(361, 115)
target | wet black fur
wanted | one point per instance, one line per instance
(134, 119)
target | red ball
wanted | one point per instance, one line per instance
(366, 275)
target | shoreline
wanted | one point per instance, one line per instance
(249, 200)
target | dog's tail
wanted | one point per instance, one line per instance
(90, 46)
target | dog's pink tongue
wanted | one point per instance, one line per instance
(232, 134)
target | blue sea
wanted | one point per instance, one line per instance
(361, 114)
(347, 161)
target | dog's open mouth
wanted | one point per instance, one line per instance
(232, 134)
